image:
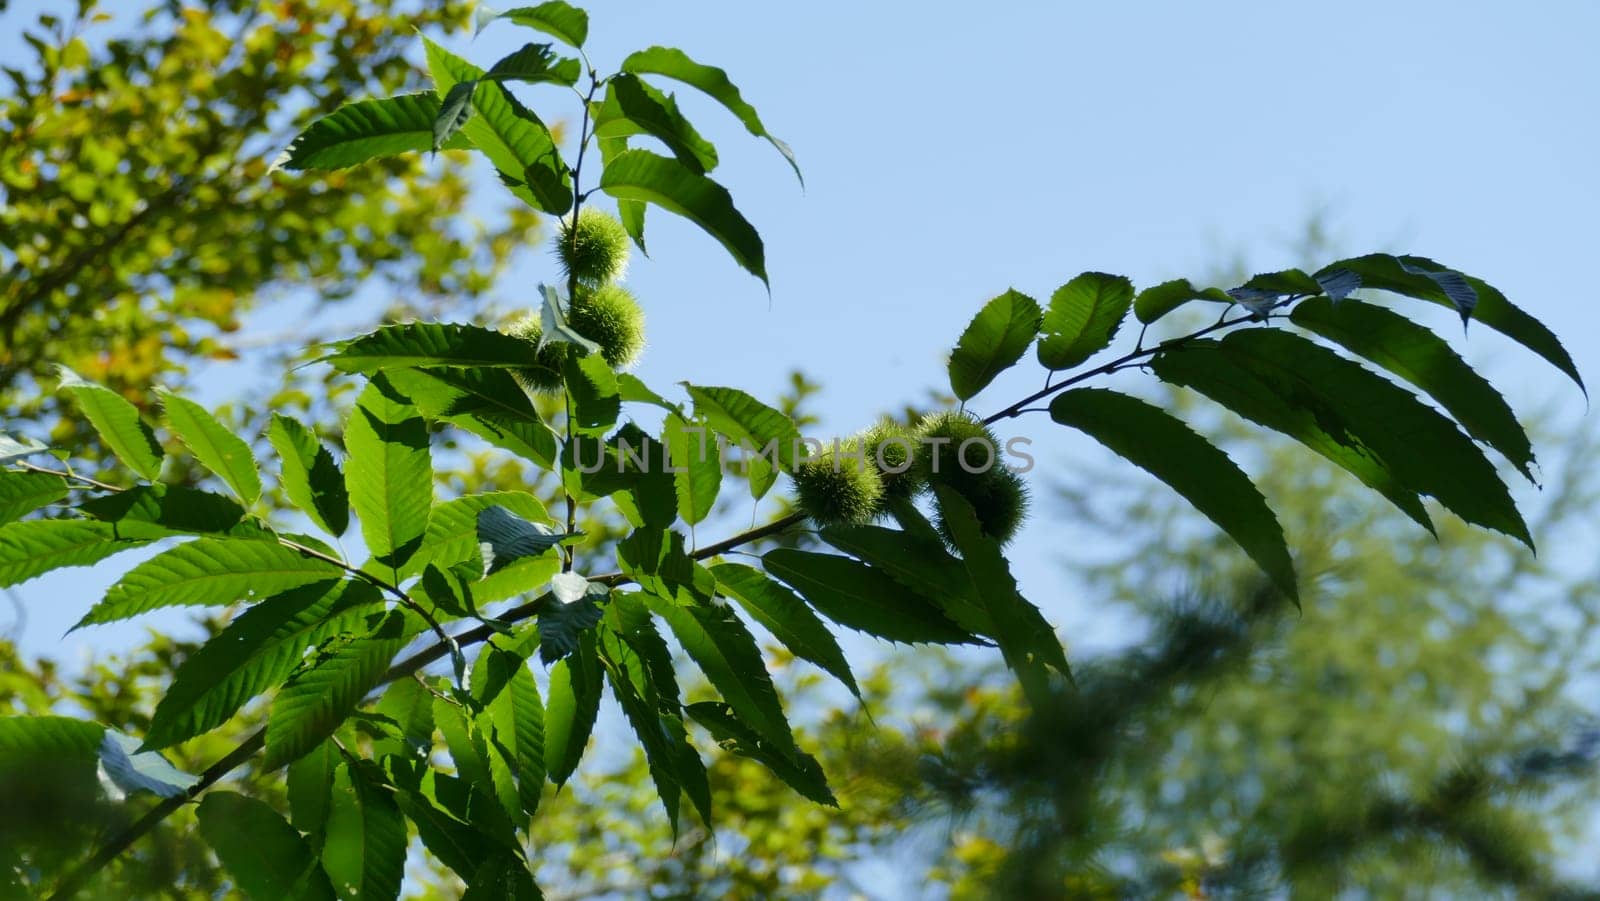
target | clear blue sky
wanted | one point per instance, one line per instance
(953, 151)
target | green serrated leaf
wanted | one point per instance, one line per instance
(1426, 361)
(366, 130)
(161, 511)
(592, 386)
(916, 558)
(310, 476)
(634, 107)
(642, 175)
(388, 473)
(1156, 302)
(993, 342)
(214, 445)
(426, 344)
(309, 782)
(570, 710)
(798, 770)
(508, 133)
(1083, 317)
(22, 493)
(318, 698)
(209, 572)
(562, 21)
(1027, 641)
(748, 423)
(534, 64)
(1153, 440)
(696, 467)
(364, 853)
(675, 64)
(857, 596)
(630, 212)
(118, 423)
(452, 537)
(256, 652)
(782, 612)
(37, 546)
(501, 681)
(267, 858)
(631, 686)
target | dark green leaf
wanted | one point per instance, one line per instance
(309, 782)
(365, 850)
(696, 467)
(787, 617)
(502, 682)
(509, 134)
(1083, 317)
(633, 107)
(798, 770)
(318, 698)
(1151, 439)
(1026, 639)
(675, 64)
(311, 478)
(631, 686)
(422, 344)
(669, 184)
(503, 538)
(388, 473)
(503, 877)
(631, 212)
(160, 511)
(993, 342)
(562, 624)
(118, 423)
(37, 546)
(918, 561)
(455, 109)
(1426, 361)
(855, 595)
(366, 130)
(592, 386)
(486, 402)
(256, 651)
(268, 859)
(1154, 303)
(215, 446)
(209, 572)
(574, 701)
(452, 537)
(22, 493)
(535, 63)
(749, 423)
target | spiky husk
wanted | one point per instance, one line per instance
(610, 317)
(999, 498)
(839, 488)
(544, 370)
(894, 450)
(600, 253)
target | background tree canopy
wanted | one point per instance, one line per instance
(1314, 694)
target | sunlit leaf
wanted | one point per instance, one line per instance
(118, 423)
(366, 130)
(310, 476)
(669, 184)
(993, 342)
(389, 473)
(214, 445)
(1083, 317)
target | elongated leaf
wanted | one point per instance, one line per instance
(214, 445)
(161, 511)
(562, 21)
(563, 623)
(630, 685)
(676, 188)
(118, 423)
(37, 546)
(634, 107)
(447, 836)
(1026, 639)
(257, 651)
(475, 761)
(696, 467)
(452, 537)
(508, 133)
(310, 475)
(749, 423)
(993, 342)
(1156, 302)
(1426, 361)
(502, 682)
(1426, 451)
(855, 595)
(1408, 275)
(487, 402)
(596, 399)
(535, 63)
(798, 770)
(48, 737)
(209, 572)
(389, 473)
(131, 770)
(726, 652)
(420, 344)
(455, 109)
(570, 711)
(1203, 367)
(630, 212)
(919, 562)
(1083, 317)
(22, 493)
(365, 850)
(787, 617)
(503, 877)
(1153, 440)
(677, 65)
(267, 859)
(366, 130)
(309, 782)
(529, 440)
(318, 697)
